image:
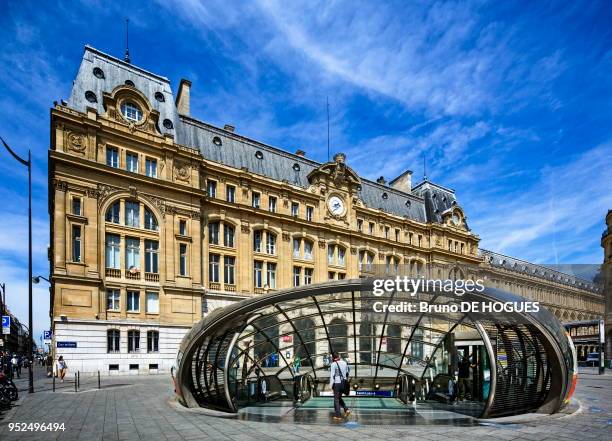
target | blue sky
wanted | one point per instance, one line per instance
(509, 102)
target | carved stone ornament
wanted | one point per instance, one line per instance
(60, 185)
(76, 142)
(245, 228)
(354, 250)
(322, 243)
(104, 191)
(286, 236)
(182, 172)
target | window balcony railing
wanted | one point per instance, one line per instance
(215, 286)
(259, 291)
(132, 274)
(113, 272)
(230, 288)
(152, 277)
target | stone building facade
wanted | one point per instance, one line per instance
(158, 218)
(606, 243)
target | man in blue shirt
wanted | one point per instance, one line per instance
(338, 376)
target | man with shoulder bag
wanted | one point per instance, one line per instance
(339, 382)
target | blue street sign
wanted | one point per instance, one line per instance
(46, 335)
(66, 344)
(6, 324)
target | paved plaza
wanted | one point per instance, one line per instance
(140, 408)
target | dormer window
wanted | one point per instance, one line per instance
(131, 111)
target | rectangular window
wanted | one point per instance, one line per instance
(256, 199)
(307, 249)
(113, 249)
(112, 340)
(135, 367)
(113, 367)
(112, 157)
(131, 162)
(228, 236)
(331, 275)
(76, 243)
(330, 254)
(133, 342)
(183, 259)
(132, 214)
(271, 275)
(132, 253)
(309, 214)
(420, 241)
(297, 275)
(211, 188)
(257, 274)
(213, 233)
(272, 204)
(270, 243)
(183, 227)
(230, 193)
(112, 299)
(341, 276)
(229, 269)
(450, 245)
(371, 228)
(151, 167)
(76, 206)
(296, 248)
(213, 267)
(397, 235)
(295, 209)
(257, 241)
(133, 301)
(152, 344)
(152, 303)
(410, 238)
(308, 276)
(359, 224)
(386, 232)
(151, 256)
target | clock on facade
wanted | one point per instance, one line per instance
(336, 206)
(456, 219)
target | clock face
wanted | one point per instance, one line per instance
(336, 206)
(456, 219)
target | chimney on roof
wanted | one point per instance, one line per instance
(301, 153)
(182, 97)
(229, 128)
(381, 180)
(403, 182)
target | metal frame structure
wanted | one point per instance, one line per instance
(225, 358)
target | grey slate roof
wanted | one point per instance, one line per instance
(236, 151)
(521, 266)
(437, 199)
(117, 72)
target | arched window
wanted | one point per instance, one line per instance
(213, 233)
(150, 220)
(131, 111)
(112, 340)
(302, 248)
(336, 255)
(392, 265)
(270, 243)
(112, 214)
(366, 261)
(266, 342)
(338, 335)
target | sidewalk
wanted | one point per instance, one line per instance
(137, 408)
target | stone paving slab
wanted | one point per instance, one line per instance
(137, 408)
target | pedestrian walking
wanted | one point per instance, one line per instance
(297, 364)
(338, 380)
(62, 368)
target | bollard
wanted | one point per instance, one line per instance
(53, 375)
(98, 379)
(78, 379)
(75, 382)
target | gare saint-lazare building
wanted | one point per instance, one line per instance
(173, 236)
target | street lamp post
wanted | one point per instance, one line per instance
(28, 164)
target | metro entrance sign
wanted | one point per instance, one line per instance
(6, 324)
